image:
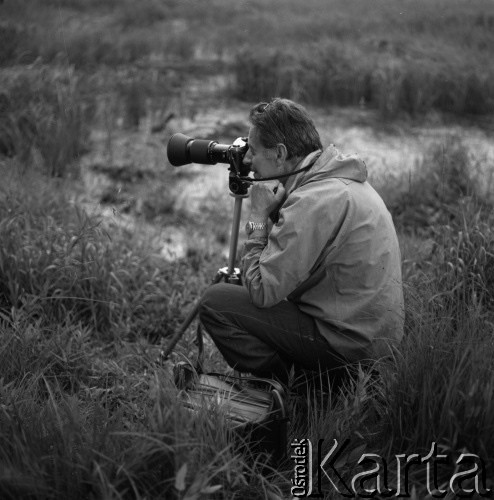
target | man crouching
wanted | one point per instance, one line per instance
(322, 286)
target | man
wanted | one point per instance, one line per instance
(322, 282)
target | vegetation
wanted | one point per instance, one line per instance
(409, 57)
(45, 113)
(87, 407)
(85, 402)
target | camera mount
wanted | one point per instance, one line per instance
(180, 152)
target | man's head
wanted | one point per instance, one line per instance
(282, 133)
(286, 122)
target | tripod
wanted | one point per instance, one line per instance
(229, 274)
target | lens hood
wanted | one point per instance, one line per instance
(178, 150)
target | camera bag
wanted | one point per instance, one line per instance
(253, 408)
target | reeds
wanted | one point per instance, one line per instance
(45, 118)
(333, 72)
(413, 59)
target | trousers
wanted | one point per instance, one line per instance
(266, 342)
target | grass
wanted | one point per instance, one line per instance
(332, 72)
(77, 424)
(45, 118)
(85, 402)
(87, 410)
(428, 196)
(409, 58)
(56, 261)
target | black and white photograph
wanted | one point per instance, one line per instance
(246, 249)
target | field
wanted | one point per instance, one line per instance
(105, 247)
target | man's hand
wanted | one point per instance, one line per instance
(264, 198)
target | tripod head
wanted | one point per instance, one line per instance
(182, 150)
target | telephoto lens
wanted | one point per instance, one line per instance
(182, 150)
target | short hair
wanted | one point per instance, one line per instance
(284, 121)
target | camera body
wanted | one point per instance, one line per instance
(182, 150)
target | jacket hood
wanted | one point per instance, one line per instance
(332, 163)
(329, 163)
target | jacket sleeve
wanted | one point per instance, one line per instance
(309, 221)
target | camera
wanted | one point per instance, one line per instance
(183, 149)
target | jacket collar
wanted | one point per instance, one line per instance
(328, 163)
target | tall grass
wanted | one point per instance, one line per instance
(87, 411)
(410, 58)
(441, 390)
(111, 34)
(337, 73)
(429, 195)
(45, 118)
(56, 261)
(118, 433)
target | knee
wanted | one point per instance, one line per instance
(218, 300)
(212, 299)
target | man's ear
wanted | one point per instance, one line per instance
(281, 153)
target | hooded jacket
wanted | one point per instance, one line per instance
(333, 252)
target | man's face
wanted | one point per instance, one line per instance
(262, 161)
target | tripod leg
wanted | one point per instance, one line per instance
(229, 274)
(187, 321)
(237, 210)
